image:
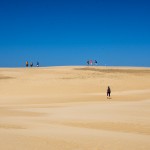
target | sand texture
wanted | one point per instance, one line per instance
(66, 108)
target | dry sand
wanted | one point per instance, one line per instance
(65, 108)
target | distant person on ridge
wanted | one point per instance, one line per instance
(37, 64)
(108, 92)
(31, 64)
(88, 62)
(95, 62)
(91, 62)
(27, 63)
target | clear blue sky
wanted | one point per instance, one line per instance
(68, 32)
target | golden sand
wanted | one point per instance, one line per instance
(66, 108)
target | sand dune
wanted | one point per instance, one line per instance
(66, 108)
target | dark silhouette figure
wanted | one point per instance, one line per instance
(27, 64)
(95, 62)
(88, 62)
(37, 64)
(108, 92)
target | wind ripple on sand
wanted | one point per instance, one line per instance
(112, 126)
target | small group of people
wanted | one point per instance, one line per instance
(91, 62)
(31, 64)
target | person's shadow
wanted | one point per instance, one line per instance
(109, 98)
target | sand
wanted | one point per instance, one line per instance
(66, 108)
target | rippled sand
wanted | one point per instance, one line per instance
(66, 108)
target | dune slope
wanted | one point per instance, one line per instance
(66, 108)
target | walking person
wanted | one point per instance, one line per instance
(108, 92)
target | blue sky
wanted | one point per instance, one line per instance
(55, 32)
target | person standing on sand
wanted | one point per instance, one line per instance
(95, 62)
(91, 62)
(37, 64)
(88, 62)
(108, 92)
(27, 63)
(31, 64)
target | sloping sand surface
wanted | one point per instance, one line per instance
(66, 108)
